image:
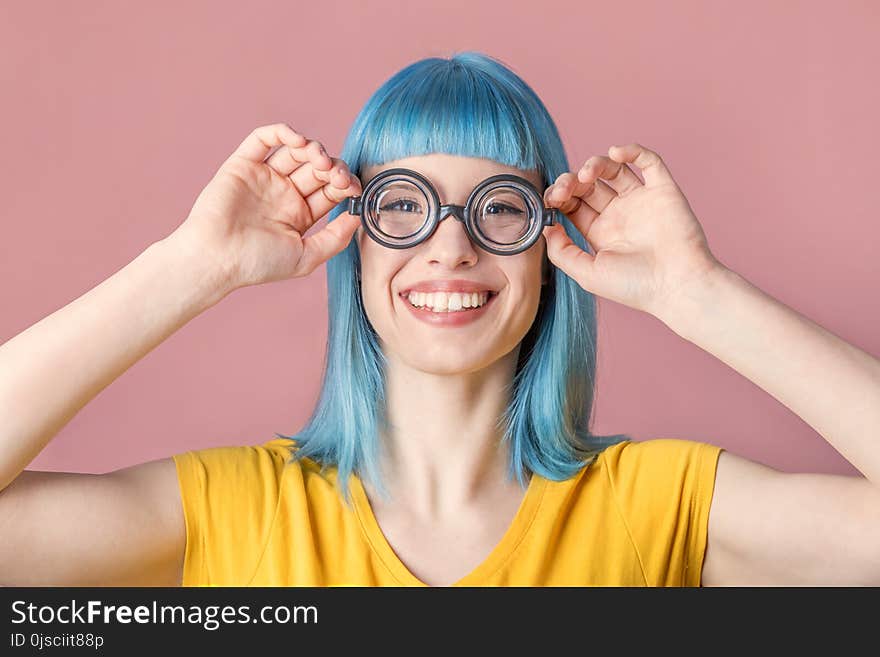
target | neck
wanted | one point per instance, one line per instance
(443, 450)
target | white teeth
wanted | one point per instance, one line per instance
(448, 301)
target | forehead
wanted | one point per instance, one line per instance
(452, 174)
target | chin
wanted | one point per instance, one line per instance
(446, 361)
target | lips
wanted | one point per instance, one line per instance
(405, 295)
(452, 319)
(452, 285)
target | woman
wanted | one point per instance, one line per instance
(450, 444)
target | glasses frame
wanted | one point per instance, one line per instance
(464, 213)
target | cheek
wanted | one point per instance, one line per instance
(525, 290)
(379, 266)
(526, 272)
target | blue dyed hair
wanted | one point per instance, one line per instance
(470, 105)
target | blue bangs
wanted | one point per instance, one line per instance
(464, 106)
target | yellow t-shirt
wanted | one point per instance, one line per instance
(637, 516)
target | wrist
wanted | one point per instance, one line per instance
(692, 306)
(207, 277)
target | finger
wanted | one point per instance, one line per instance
(257, 145)
(286, 160)
(567, 194)
(316, 170)
(618, 176)
(568, 190)
(569, 257)
(309, 178)
(594, 192)
(328, 196)
(291, 160)
(652, 166)
(339, 175)
(583, 203)
(328, 241)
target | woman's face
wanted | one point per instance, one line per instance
(450, 345)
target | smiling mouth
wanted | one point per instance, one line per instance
(445, 303)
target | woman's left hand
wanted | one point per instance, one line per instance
(649, 246)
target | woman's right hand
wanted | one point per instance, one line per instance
(252, 216)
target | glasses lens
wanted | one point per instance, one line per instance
(398, 209)
(503, 216)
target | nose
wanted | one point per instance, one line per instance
(450, 242)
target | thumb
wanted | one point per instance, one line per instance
(569, 257)
(328, 241)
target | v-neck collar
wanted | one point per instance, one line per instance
(516, 531)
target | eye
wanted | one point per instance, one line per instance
(501, 208)
(402, 205)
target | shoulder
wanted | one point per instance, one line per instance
(267, 460)
(658, 458)
(276, 449)
(653, 477)
(236, 470)
(243, 474)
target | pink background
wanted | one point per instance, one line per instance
(114, 117)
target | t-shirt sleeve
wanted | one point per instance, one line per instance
(664, 490)
(229, 497)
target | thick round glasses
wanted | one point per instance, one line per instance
(504, 214)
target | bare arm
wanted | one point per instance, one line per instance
(57, 366)
(770, 527)
(127, 527)
(122, 528)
